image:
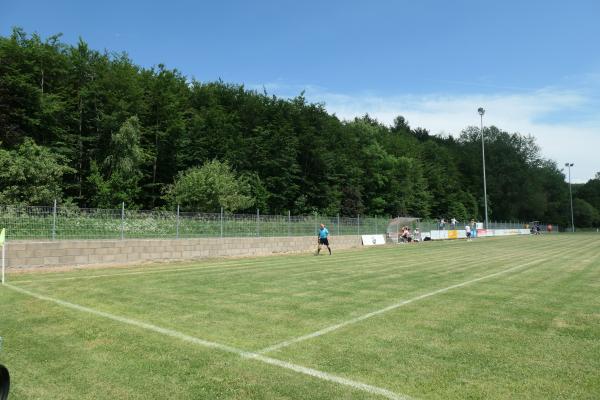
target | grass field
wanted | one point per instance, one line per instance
(498, 318)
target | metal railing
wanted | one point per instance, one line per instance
(429, 225)
(59, 223)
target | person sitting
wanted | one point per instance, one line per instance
(417, 235)
(405, 235)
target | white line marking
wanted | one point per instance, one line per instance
(218, 346)
(335, 327)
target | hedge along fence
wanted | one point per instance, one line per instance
(59, 223)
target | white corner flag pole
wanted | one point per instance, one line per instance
(2, 237)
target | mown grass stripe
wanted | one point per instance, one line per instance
(391, 307)
(218, 346)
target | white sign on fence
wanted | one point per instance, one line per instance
(373, 240)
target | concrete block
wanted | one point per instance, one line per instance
(108, 258)
(104, 250)
(55, 252)
(39, 252)
(82, 259)
(66, 260)
(72, 251)
(65, 244)
(133, 256)
(32, 261)
(107, 243)
(73, 244)
(17, 254)
(51, 260)
(95, 258)
(12, 246)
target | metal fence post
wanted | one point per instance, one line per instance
(257, 222)
(221, 221)
(177, 227)
(338, 224)
(122, 220)
(376, 225)
(3, 266)
(54, 221)
(289, 223)
(358, 223)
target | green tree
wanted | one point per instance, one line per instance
(585, 214)
(208, 188)
(256, 190)
(292, 154)
(31, 175)
(590, 192)
(122, 172)
(457, 210)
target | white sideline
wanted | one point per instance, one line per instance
(332, 328)
(218, 346)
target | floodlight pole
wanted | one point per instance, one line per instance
(481, 111)
(569, 165)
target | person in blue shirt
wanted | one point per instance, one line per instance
(323, 239)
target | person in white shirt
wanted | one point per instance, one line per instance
(468, 230)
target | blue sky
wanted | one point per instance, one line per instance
(534, 65)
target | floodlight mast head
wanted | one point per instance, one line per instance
(481, 111)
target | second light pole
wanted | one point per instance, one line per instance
(481, 111)
(569, 165)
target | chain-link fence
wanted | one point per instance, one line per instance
(429, 225)
(57, 223)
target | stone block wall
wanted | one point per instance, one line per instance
(31, 254)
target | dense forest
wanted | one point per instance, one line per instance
(93, 129)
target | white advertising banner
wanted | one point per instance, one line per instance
(373, 240)
(438, 235)
(461, 234)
